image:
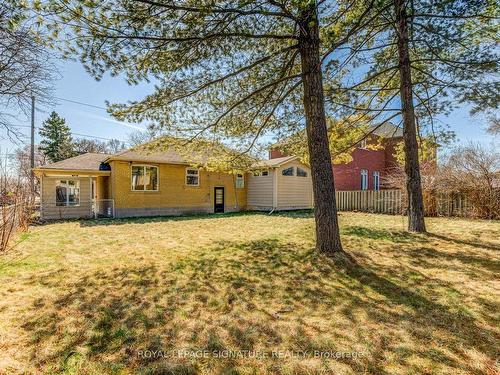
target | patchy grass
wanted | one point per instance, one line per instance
(125, 296)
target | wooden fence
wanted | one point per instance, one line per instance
(382, 201)
(452, 204)
(392, 202)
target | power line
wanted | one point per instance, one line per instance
(78, 134)
(81, 103)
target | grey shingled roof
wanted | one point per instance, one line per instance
(388, 130)
(169, 157)
(89, 161)
(276, 162)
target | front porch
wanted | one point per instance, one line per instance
(75, 194)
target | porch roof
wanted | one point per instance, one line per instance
(89, 162)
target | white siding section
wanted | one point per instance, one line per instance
(48, 200)
(294, 192)
(260, 192)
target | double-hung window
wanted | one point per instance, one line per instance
(144, 178)
(376, 180)
(192, 177)
(240, 181)
(67, 193)
(364, 179)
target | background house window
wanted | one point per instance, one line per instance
(362, 144)
(261, 173)
(144, 178)
(287, 171)
(240, 181)
(376, 180)
(192, 177)
(67, 193)
(364, 179)
(301, 172)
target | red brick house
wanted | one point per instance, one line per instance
(368, 167)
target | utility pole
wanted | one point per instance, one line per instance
(32, 153)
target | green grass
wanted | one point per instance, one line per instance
(92, 297)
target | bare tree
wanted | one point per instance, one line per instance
(139, 137)
(473, 170)
(468, 173)
(114, 145)
(25, 68)
(494, 125)
(82, 146)
(21, 162)
(16, 204)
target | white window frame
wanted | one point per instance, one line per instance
(240, 177)
(197, 174)
(362, 144)
(66, 185)
(376, 180)
(144, 166)
(364, 179)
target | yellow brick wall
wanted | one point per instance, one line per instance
(102, 187)
(173, 192)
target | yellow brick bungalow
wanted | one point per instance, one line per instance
(131, 184)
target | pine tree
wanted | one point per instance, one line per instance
(237, 70)
(56, 143)
(421, 58)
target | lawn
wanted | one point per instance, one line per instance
(247, 294)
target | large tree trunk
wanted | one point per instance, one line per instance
(327, 227)
(413, 184)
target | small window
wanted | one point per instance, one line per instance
(288, 171)
(240, 181)
(364, 179)
(362, 144)
(301, 172)
(261, 173)
(376, 180)
(144, 178)
(68, 193)
(192, 177)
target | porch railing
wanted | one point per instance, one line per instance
(102, 208)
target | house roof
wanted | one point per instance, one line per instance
(169, 157)
(276, 162)
(89, 161)
(388, 130)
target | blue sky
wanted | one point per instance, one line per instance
(76, 84)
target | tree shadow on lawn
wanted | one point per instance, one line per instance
(427, 256)
(242, 296)
(399, 236)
